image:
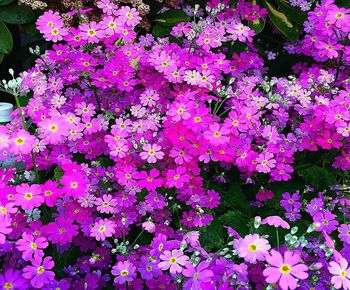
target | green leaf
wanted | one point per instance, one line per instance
(293, 13)
(5, 2)
(257, 25)
(343, 3)
(237, 220)
(6, 41)
(14, 14)
(30, 29)
(160, 30)
(317, 176)
(212, 236)
(282, 23)
(172, 17)
(1, 57)
(58, 173)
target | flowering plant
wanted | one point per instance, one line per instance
(178, 161)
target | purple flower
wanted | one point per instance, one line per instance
(344, 233)
(197, 275)
(290, 201)
(149, 269)
(124, 272)
(12, 279)
(38, 273)
(325, 221)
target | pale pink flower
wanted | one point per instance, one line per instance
(252, 248)
(152, 153)
(173, 260)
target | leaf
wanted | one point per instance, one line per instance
(212, 236)
(6, 41)
(172, 17)
(14, 14)
(282, 23)
(1, 57)
(237, 220)
(58, 173)
(30, 29)
(5, 2)
(292, 12)
(160, 30)
(317, 176)
(257, 25)
(343, 3)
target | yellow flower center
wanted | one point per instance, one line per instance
(41, 270)
(124, 273)
(19, 141)
(33, 246)
(252, 247)
(28, 196)
(172, 260)
(101, 229)
(216, 134)
(8, 285)
(285, 269)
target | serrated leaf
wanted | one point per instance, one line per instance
(282, 23)
(15, 14)
(6, 41)
(172, 17)
(212, 236)
(237, 220)
(318, 177)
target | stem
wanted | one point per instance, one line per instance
(26, 128)
(278, 239)
(139, 235)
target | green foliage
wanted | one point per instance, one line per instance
(58, 173)
(6, 41)
(15, 14)
(212, 236)
(343, 3)
(317, 176)
(166, 20)
(282, 23)
(237, 220)
(5, 2)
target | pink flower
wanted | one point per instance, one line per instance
(38, 273)
(177, 177)
(103, 229)
(22, 142)
(198, 275)
(5, 227)
(129, 16)
(31, 247)
(216, 135)
(152, 153)
(28, 196)
(62, 231)
(275, 221)
(341, 274)
(265, 162)
(285, 270)
(173, 260)
(252, 248)
(124, 272)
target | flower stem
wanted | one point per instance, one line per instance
(278, 239)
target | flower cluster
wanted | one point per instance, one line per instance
(126, 134)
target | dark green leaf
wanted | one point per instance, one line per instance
(15, 14)
(58, 173)
(212, 236)
(257, 25)
(318, 177)
(236, 220)
(5, 2)
(6, 41)
(293, 13)
(172, 17)
(160, 30)
(282, 23)
(30, 29)
(343, 3)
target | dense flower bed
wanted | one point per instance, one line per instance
(139, 149)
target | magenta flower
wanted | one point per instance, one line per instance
(39, 274)
(5, 227)
(152, 153)
(28, 196)
(177, 177)
(62, 231)
(216, 135)
(340, 274)
(325, 221)
(173, 260)
(344, 233)
(252, 248)
(22, 142)
(265, 162)
(102, 229)
(124, 272)
(285, 270)
(12, 279)
(198, 275)
(31, 247)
